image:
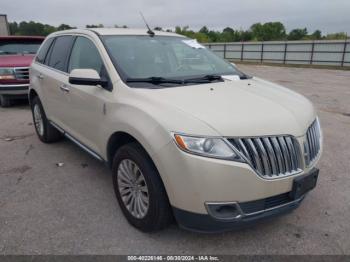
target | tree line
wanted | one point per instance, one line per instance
(271, 31)
(35, 28)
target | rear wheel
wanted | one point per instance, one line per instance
(139, 189)
(45, 131)
(5, 101)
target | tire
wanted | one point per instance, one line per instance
(45, 131)
(5, 101)
(158, 214)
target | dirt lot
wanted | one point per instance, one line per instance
(45, 209)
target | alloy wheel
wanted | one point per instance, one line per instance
(133, 188)
(38, 120)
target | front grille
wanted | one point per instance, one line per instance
(271, 157)
(22, 73)
(266, 203)
(312, 145)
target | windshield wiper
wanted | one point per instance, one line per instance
(204, 79)
(154, 80)
(245, 77)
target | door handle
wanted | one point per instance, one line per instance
(64, 88)
(40, 76)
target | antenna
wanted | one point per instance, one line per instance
(150, 32)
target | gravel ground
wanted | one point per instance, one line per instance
(46, 209)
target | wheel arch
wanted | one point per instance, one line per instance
(121, 138)
(117, 140)
(31, 95)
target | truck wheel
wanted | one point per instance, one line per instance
(139, 189)
(5, 101)
(45, 131)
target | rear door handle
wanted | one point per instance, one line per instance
(65, 88)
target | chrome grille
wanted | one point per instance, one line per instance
(22, 73)
(271, 157)
(312, 144)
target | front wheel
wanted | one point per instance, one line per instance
(139, 189)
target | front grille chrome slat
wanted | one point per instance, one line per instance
(279, 155)
(21, 73)
(312, 144)
(292, 153)
(270, 156)
(243, 147)
(285, 151)
(264, 157)
(255, 154)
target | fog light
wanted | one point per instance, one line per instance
(224, 211)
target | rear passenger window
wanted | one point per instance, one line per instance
(59, 53)
(85, 56)
(43, 51)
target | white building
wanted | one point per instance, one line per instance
(4, 27)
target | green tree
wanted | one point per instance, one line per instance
(95, 26)
(64, 27)
(297, 34)
(228, 30)
(200, 37)
(245, 36)
(13, 28)
(35, 28)
(214, 36)
(204, 30)
(317, 35)
(336, 36)
(270, 31)
(258, 31)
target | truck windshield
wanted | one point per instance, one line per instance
(165, 57)
(18, 47)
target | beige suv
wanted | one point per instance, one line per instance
(186, 134)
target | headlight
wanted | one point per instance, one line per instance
(207, 146)
(7, 73)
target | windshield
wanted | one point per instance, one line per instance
(141, 57)
(19, 47)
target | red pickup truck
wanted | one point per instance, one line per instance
(16, 55)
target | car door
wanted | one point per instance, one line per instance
(37, 68)
(86, 109)
(54, 79)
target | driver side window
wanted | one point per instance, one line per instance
(85, 56)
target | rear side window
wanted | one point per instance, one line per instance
(59, 53)
(85, 56)
(43, 51)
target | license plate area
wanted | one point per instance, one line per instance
(303, 184)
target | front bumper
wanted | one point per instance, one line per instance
(208, 224)
(191, 181)
(14, 89)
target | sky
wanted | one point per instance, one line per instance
(326, 15)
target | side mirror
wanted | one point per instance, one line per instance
(234, 65)
(88, 77)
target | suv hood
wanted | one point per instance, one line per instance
(251, 107)
(16, 60)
